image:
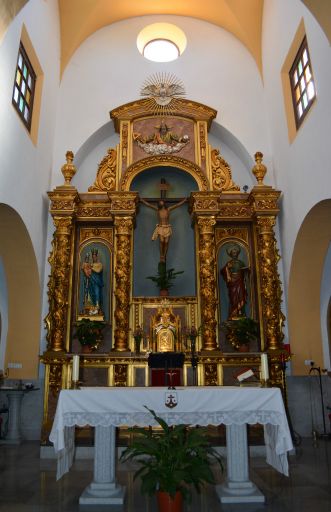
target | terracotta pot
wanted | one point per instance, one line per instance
(168, 504)
(86, 349)
(164, 293)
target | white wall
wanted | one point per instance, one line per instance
(107, 71)
(302, 169)
(3, 314)
(25, 168)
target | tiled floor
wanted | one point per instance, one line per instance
(27, 484)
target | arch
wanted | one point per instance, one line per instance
(164, 160)
(24, 300)
(304, 294)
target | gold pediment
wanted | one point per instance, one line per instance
(141, 108)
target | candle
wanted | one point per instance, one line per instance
(75, 368)
(264, 367)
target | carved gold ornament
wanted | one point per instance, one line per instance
(106, 175)
(163, 160)
(207, 281)
(271, 291)
(93, 233)
(221, 173)
(161, 91)
(239, 233)
(58, 285)
(68, 170)
(123, 227)
(259, 170)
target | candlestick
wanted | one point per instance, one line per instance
(75, 368)
(264, 367)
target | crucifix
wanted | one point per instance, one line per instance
(163, 229)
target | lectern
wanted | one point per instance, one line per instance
(165, 368)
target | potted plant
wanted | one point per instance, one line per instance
(171, 461)
(241, 331)
(89, 333)
(164, 279)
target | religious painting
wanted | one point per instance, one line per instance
(163, 136)
(234, 280)
(94, 282)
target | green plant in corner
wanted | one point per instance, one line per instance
(173, 459)
(89, 332)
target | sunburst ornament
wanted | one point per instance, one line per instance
(162, 92)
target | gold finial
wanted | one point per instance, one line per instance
(69, 169)
(259, 170)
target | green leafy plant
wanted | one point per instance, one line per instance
(172, 459)
(241, 331)
(89, 332)
(164, 278)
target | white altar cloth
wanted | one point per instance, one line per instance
(102, 407)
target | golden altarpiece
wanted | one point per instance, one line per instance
(96, 228)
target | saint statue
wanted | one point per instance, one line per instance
(163, 230)
(234, 274)
(93, 283)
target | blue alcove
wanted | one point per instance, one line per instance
(181, 252)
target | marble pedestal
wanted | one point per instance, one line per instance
(238, 488)
(103, 490)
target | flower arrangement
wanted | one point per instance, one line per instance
(138, 334)
(191, 334)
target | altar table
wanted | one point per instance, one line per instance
(107, 408)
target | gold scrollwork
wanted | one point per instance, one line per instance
(123, 202)
(205, 202)
(120, 374)
(169, 160)
(123, 226)
(125, 130)
(236, 209)
(58, 286)
(203, 144)
(271, 291)
(210, 374)
(94, 211)
(231, 232)
(221, 173)
(207, 281)
(106, 175)
(103, 233)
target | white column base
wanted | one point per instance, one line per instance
(238, 487)
(239, 492)
(102, 494)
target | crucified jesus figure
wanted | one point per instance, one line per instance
(163, 230)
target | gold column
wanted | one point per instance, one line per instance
(63, 199)
(205, 207)
(123, 207)
(271, 292)
(207, 281)
(264, 200)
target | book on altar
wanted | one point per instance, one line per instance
(244, 374)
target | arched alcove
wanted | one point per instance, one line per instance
(181, 253)
(23, 292)
(304, 295)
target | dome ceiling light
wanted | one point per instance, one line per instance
(161, 42)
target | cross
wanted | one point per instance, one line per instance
(164, 186)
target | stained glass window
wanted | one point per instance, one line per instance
(24, 85)
(302, 83)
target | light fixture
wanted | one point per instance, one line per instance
(161, 42)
